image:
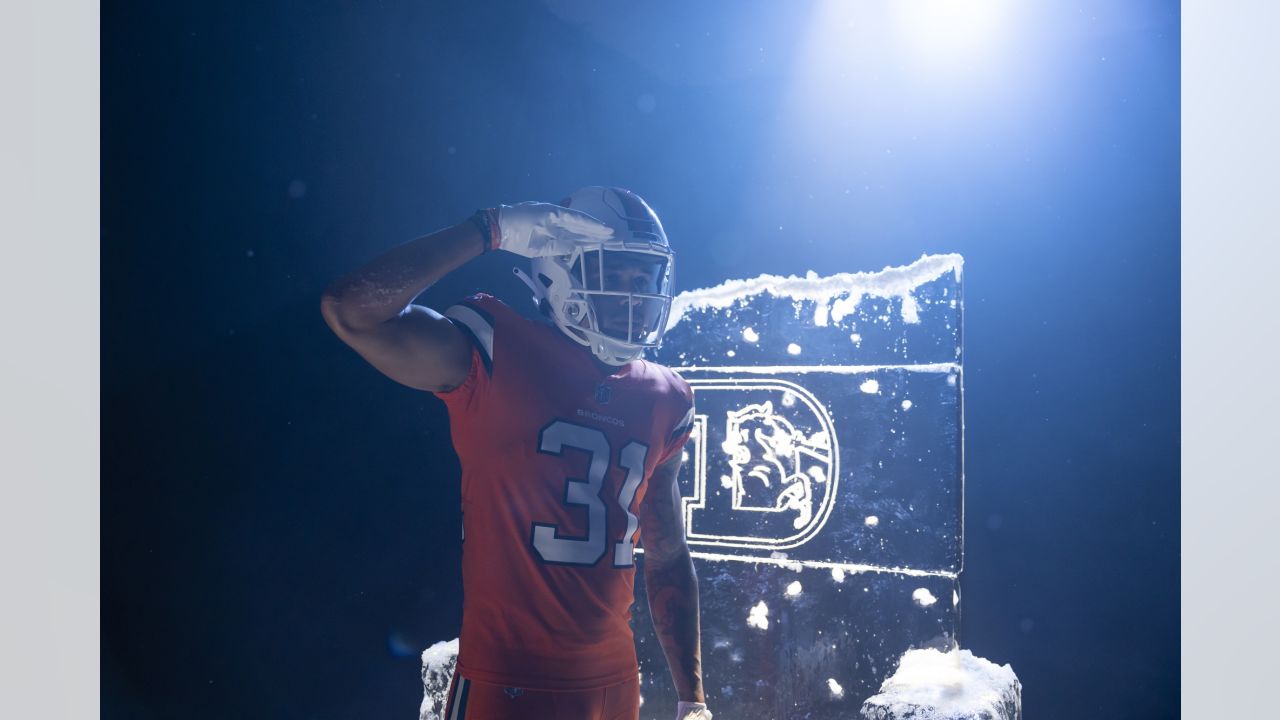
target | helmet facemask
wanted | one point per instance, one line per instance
(611, 297)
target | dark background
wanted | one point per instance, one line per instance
(279, 528)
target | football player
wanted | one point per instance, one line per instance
(569, 441)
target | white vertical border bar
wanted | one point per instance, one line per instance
(49, 371)
(1230, 231)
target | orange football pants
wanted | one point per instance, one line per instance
(476, 700)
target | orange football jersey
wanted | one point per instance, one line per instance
(555, 453)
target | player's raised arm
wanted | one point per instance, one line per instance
(672, 586)
(371, 308)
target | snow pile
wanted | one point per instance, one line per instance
(956, 685)
(835, 295)
(437, 671)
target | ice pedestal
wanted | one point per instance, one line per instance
(822, 486)
(930, 685)
(438, 662)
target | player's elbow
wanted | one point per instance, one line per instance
(331, 309)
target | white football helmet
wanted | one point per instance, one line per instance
(613, 296)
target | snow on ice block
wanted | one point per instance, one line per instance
(437, 672)
(822, 483)
(956, 685)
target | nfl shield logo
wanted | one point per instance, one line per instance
(602, 394)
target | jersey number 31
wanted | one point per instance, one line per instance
(553, 547)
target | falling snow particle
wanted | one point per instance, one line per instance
(749, 334)
(759, 616)
(837, 574)
(794, 588)
(793, 349)
(731, 353)
(906, 404)
(872, 521)
(871, 387)
(923, 597)
(836, 690)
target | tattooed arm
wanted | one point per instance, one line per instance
(371, 309)
(670, 582)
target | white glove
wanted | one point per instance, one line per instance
(534, 229)
(692, 711)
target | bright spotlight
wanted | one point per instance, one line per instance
(950, 28)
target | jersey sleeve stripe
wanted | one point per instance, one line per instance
(683, 425)
(478, 327)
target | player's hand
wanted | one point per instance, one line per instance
(692, 711)
(534, 229)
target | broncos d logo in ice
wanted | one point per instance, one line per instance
(763, 465)
(767, 456)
